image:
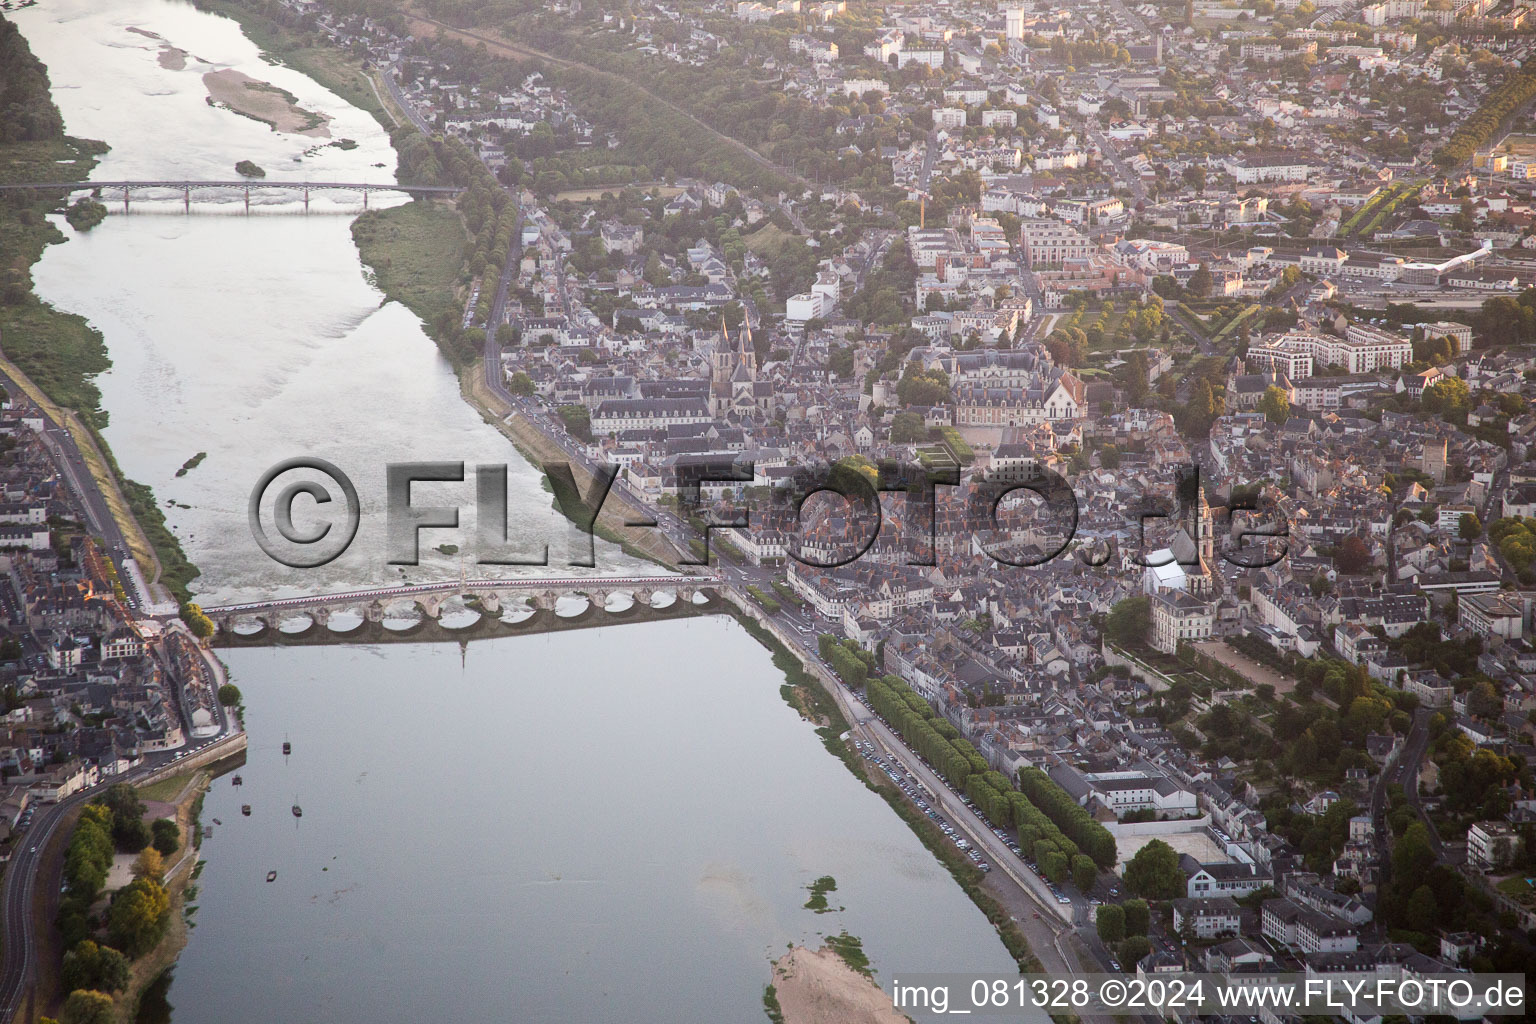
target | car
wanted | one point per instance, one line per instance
(1095, 901)
(1063, 900)
(33, 850)
(1114, 964)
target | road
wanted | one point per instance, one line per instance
(1138, 187)
(930, 154)
(87, 497)
(399, 97)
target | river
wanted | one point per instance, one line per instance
(253, 338)
(595, 825)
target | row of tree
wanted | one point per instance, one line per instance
(935, 739)
(1068, 815)
(852, 663)
(1478, 130)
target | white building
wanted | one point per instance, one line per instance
(1178, 617)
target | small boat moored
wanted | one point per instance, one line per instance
(271, 876)
(245, 809)
(237, 780)
(298, 812)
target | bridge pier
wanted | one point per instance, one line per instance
(431, 607)
(186, 200)
(365, 199)
(320, 616)
(490, 603)
(306, 200)
(125, 198)
(247, 200)
(374, 612)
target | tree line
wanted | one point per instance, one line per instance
(27, 113)
(100, 945)
(1063, 843)
(1478, 130)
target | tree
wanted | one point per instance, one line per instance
(1200, 282)
(1133, 949)
(1201, 411)
(577, 420)
(229, 695)
(520, 384)
(138, 916)
(1423, 911)
(1111, 923)
(1129, 621)
(87, 1006)
(922, 387)
(907, 428)
(1471, 527)
(132, 835)
(201, 625)
(1352, 557)
(1275, 404)
(1154, 872)
(1138, 917)
(90, 966)
(167, 837)
(1448, 396)
(1412, 856)
(1484, 701)
(1134, 376)
(149, 864)
(1084, 871)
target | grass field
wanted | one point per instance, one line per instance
(415, 252)
(1518, 888)
(767, 239)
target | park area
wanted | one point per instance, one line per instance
(1257, 674)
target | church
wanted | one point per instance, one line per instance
(734, 390)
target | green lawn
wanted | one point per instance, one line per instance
(1518, 888)
(415, 252)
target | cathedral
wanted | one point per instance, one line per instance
(733, 386)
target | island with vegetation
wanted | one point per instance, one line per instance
(192, 463)
(248, 169)
(85, 213)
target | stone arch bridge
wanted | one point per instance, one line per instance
(490, 598)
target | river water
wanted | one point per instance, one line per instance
(611, 824)
(253, 338)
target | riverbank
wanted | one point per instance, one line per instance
(640, 542)
(415, 252)
(808, 693)
(179, 880)
(53, 355)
